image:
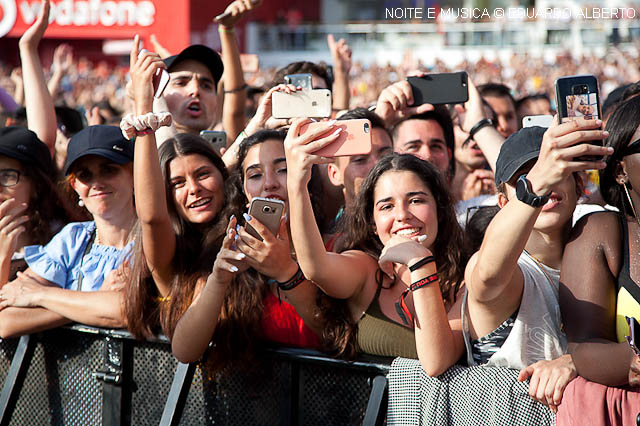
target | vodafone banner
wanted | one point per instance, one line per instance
(102, 19)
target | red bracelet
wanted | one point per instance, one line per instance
(401, 307)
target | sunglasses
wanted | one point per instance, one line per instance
(633, 148)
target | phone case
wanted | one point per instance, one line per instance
(305, 103)
(160, 81)
(537, 120)
(355, 138)
(268, 211)
(218, 139)
(445, 88)
(577, 96)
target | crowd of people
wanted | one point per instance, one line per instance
(460, 238)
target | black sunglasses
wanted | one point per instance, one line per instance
(633, 148)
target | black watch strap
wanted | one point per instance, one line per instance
(479, 125)
(524, 193)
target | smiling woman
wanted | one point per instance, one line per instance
(59, 285)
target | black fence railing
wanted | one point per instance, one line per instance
(87, 376)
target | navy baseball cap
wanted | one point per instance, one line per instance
(105, 141)
(200, 53)
(23, 145)
(519, 148)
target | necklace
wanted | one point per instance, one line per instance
(542, 268)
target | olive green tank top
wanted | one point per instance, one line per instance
(379, 335)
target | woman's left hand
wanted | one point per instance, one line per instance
(272, 255)
(22, 292)
(401, 250)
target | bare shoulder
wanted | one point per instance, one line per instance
(596, 231)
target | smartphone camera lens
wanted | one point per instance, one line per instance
(366, 127)
(266, 209)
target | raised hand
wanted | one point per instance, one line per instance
(561, 145)
(143, 66)
(31, 38)
(236, 11)
(478, 182)
(62, 58)
(299, 148)
(263, 117)
(341, 54)
(12, 225)
(396, 102)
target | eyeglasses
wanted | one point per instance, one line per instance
(9, 177)
(633, 148)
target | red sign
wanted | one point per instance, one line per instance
(103, 19)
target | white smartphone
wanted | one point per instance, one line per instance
(537, 120)
(160, 79)
(304, 103)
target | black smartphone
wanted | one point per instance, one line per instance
(445, 88)
(302, 80)
(578, 96)
(218, 139)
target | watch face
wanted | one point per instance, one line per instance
(521, 188)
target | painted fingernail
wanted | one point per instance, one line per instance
(240, 256)
(231, 217)
(332, 122)
(231, 232)
(236, 237)
(337, 131)
(233, 268)
(421, 238)
(610, 149)
(605, 133)
(246, 217)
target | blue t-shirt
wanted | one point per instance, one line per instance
(61, 261)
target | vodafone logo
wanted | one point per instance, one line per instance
(8, 15)
(72, 13)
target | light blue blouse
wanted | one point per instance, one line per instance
(61, 260)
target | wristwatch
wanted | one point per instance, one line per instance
(524, 193)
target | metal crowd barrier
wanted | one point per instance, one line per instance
(81, 375)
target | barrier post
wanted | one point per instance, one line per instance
(17, 373)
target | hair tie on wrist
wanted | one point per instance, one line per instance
(140, 125)
(401, 306)
(237, 89)
(421, 263)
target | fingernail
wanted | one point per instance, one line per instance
(332, 122)
(337, 131)
(285, 217)
(421, 238)
(598, 121)
(231, 217)
(610, 149)
(231, 232)
(236, 237)
(240, 256)
(246, 217)
(233, 268)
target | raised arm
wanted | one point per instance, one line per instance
(493, 275)
(158, 237)
(588, 296)
(341, 55)
(41, 114)
(235, 94)
(338, 275)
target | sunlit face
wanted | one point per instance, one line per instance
(404, 205)
(198, 188)
(424, 139)
(105, 188)
(469, 155)
(265, 171)
(506, 113)
(191, 96)
(350, 172)
(21, 191)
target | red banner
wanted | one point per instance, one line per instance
(103, 19)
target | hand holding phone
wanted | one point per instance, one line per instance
(267, 211)
(160, 78)
(354, 139)
(218, 139)
(305, 103)
(444, 88)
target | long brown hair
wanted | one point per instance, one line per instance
(196, 250)
(360, 235)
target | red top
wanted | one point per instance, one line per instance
(282, 324)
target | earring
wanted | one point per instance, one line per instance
(80, 203)
(633, 209)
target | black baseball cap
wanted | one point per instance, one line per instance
(23, 145)
(203, 54)
(105, 141)
(519, 148)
